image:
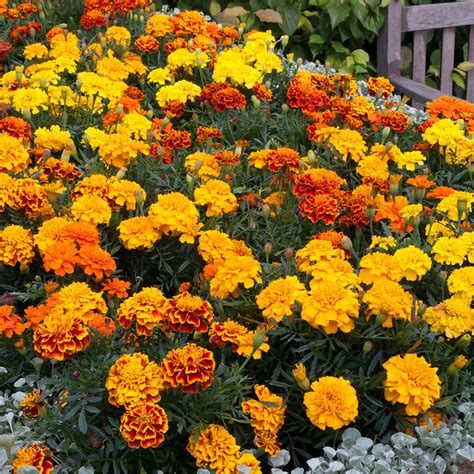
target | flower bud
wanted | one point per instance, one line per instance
(386, 132)
(139, 197)
(284, 41)
(464, 342)
(441, 340)
(289, 253)
(284, 108)
(462, 208)
(189, 178)
(266, 211)
(459, 362)
(268, 247)
(121, 173)
(251, 223)
(119, 110)
(299, 374)
(299, 62)
(197, 165)
(258, 339)
(256, 102)
(367, 347)
(346, 243)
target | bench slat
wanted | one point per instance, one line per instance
(447, 60)
(441, 15)
(419, 60)
(418, 92)
(470, 74)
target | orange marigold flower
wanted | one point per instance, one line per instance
(146, 309)
(207, 133)
(31, 404)
(146, 44)
(15, 127)
(116, 288)
(317, 181)
(35, 455)
(380, 86)
(60, 258)
(320, 207)
(82, 233)
(283, 158)
(10, 323)
(60, 335)
(227, 332)
(228, 98)
(441, 192)
(95, 261)
(144, 426)
(420, 182)
(391, 210)
(92, 209)
(176, 139)
(189, 367)
(93, 18)
(103, 325)
(188, 313)
(134, 379)
(397, 121)
(16, 246)
(227, 157)
(215, 447)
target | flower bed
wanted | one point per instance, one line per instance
(210, 254)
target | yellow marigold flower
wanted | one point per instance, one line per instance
(314, 253)
(183, 58)
(246, 345)
(268, 412)
(413, 382)
(118, 149)
(332, 402)
(134, 379)
(159, 25)
(147, 309)
(13, 155)
(279, 296)
(94, 137)
(80, 300)
(181, 91)
(35, 50)
(189, 367)
(31, 100)
(410, 159)
(144, 426)
(91, 209)
(386, 153)
(60, 335)
(460, 153)
(215, 447)
(92, 84)
(119, 35)
(348, 142)
(331, 307)
(112, 68)
(231, 65)
(139, 232)
(135, 125)
(438, 229)
(36, 456)
(215, 245)
(217, 196)
(387, 300)
(204, 164)
(461, 282)
(449, 250)
(372, 166)
(16, 246)
(46, 77)
(336, 270)
(160, 76)
(6, 183)
(134, 64)
(53, 138)
(174, 214)
(451, 205)
(50, 232)
(382, 242)
(453, 317)
(239, 270)
(411, 211)
(443, 133)
(266, 62)
(467, 240)
(124, 193)
(379, 266)
(248, 460)
(413, 262)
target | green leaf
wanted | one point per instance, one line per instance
(338, 13)
(291, 16)
(459, 80)
(315, 39)
(339, 48)
(360, 56)
(82, 422)
(466, 66)
(269, 16)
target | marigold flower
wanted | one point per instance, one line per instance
(139, 232)
(215, 447)
(449, 250)
(208, 165)
(453, 317)
(31, 404)
(215, 246)
(134, 379)
(103, 325)
(146, 44)
(32, 100)
(277, 299)
(116, 288)
(299, 374)
(189, 367)
(119, 149)
(380, 85)
(379, 266)
(413, 382)
(332, 402)
(60, 258)
(413, 262)
(420, 182)
(53, 138)
(13, 155)
(248, 343)
(82, 233)
(382, 242)
(35, 455)
(348, 142)
(188, 313)
(16, 246)
(321, 207)
(217, 196)
(15, 127)
(227, 332)
(10, 323)
(144, 426)
(233, 272)
(146, 309)
(95, 261)
(443, 133)
(331, 307)
(91, 209)
(387, 300)
(461, 282)
(450, 205)
(60, 335)
(159, 25)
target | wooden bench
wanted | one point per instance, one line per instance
(417, 20)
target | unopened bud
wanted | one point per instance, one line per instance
(197, 165)
(284, 108)
(385, 132)
(256, 102)
(284, 41)
(121, 173)
(462, 208)
(289, 253)
(299, 62)
(258, 339)
(443, 274)
(299, 374)
(312, 157)
(268, 247)
(266, 211)
(119, 110)
(189, 178)
(367, 347)
(46, 154)
(464, 342)
(441, 340)
(139, 197)
(346, 243)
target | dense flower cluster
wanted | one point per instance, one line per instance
(189, 218)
